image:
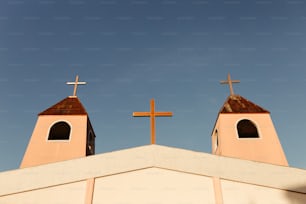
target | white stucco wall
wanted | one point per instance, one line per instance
(73, 193)
(154, 185)
(242, 193)
(157, 174)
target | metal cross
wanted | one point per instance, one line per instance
(152, 114)
(75, 83)
(230, 82)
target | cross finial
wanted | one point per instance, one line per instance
(230, 82)
(76, 83)
(152, 114)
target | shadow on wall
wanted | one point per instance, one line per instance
(298, 195)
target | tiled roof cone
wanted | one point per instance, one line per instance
(67, 106)
(238, 104)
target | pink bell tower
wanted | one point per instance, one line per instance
(245, 130)
(62, 132)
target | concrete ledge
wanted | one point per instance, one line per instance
(133, 159)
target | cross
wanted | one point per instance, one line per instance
(75, 83)
(152, 114)
(230, 83)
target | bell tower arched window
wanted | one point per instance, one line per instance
(90, 150)
(59, 131)
(215, 141)
(247, 129)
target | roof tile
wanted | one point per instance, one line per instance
(67, 106)
(238, 104)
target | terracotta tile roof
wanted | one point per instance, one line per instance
(238, 104)
(67, 106)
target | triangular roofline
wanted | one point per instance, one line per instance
(153, 156)
(254, 108)
(68, 106)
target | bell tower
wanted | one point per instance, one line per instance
(62, 132)
(245, 130)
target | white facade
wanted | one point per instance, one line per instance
(154, 174)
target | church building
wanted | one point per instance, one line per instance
(247, 164)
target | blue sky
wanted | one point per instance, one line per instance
(129, 51)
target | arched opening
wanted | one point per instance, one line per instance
(90, 150)
(215, 141)
(59, 131)
(247, 129)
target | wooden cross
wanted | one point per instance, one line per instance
(230, 83)
(76, 83)
(152, 114)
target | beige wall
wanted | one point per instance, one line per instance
(154, 185)
(153, 173)
(241, 193)
(73, 193)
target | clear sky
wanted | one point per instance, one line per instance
(129, 51)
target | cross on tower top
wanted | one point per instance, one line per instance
(230, 82)
(152, 114)
(75, 83)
